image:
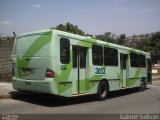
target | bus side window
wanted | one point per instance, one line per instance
(110, 56)
(149, 64)
(74, 56)
(142, 61)
(134, 59)
(97, 55)
(64, 51)
(149, 70)
(83, 54)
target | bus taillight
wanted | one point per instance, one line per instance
(49, 73)
(13, 72)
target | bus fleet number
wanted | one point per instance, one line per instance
(100, 71)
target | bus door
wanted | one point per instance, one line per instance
(124, 69)
(149, 70)
(79, 55)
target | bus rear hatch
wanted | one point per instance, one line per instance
(32, 54)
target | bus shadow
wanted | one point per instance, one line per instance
(49, 100)
(124, 92)
(57, 101)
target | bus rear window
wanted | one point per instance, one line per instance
(29, 45)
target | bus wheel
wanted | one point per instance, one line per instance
(142, 86)
(102, 91)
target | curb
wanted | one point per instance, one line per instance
(156, 79)
(15, 95)
(21, 95)
(5, 96)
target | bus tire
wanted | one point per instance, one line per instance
(102, 91)
(142, 86)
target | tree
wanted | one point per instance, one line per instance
(155, 43)
(105, 37)
(68, 27)
(121, 40)
(151, 44)
(61, 27)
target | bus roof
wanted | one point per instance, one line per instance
(82, 38)
(92, 40)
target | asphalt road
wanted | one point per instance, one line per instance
(122, 102)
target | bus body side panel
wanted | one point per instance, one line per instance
(136, 74)
(134, 77)
(149, 69)
(113, 77)
(98, 73)
(62, 71)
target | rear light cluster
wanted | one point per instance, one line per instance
(13, 72)
(13, 66)
(50, 73)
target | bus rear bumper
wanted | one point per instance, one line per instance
(42, 86)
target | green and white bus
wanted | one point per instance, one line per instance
(65, 64)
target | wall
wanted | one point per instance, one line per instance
(6, 45)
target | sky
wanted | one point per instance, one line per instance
(92, 16)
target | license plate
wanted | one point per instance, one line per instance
(27, 83)
(26, 71)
